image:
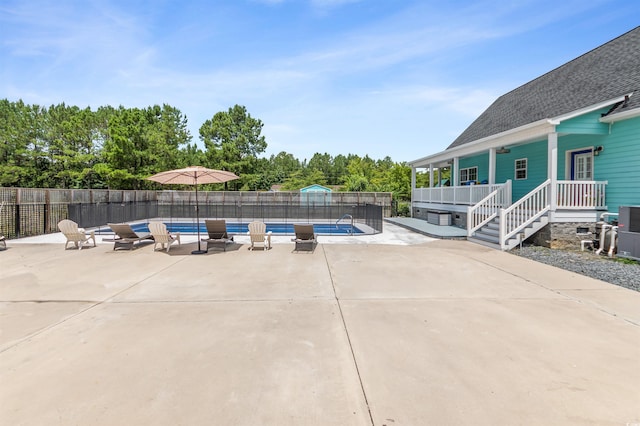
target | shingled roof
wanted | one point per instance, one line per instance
(604, 73)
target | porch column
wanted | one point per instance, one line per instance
(552, 168)
(413, 179)
(413, 187)
(431, 185)
(492, 166)
(455, 172)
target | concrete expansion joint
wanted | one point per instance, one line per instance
(51, 301)
(52, 325)
(177, 302)
(346, 332)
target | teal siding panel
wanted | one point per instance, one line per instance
(585, 124)
(536, 155)
(619, 164)
(569, 143)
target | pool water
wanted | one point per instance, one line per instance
(243, 228)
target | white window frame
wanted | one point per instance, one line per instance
(466, 170)
(517, 169)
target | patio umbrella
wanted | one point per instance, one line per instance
(194, 175)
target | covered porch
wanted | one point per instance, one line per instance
(483, 184)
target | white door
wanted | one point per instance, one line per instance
(583, 166)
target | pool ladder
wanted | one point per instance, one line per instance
(343, 217)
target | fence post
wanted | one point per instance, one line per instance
(17, 213)
(47, 203)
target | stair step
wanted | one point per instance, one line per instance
(486, 237)
(489, 231)
(484, 243)
(489, 234)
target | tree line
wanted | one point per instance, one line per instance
(64, 146)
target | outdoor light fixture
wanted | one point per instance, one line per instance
(503, 150)
(597, 150)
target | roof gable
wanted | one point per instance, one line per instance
(606, 72)
(315, 188)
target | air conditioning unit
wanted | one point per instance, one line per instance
(629, 232)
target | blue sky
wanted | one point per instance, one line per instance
(369, 77)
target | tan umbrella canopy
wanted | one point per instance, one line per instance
(194, 175)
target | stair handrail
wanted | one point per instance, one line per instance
(482, 212)
(523, 212)
(345, 216)
(489, 207)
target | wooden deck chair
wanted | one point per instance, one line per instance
(305, 237)
(258, 234)
(162, 236)
(217, 230)
(125, 236)
(75, 235)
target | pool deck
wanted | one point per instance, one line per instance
(399, 330)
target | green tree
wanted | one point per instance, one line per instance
(303, 178)
(322, 163)
(19, 130)
(141, 142)
(69, 133)
(356, 183)
(166, 134)
(232, 140)
(339, 169)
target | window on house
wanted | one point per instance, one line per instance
(470, 173)
(521, 169)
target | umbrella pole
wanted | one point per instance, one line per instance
(199, 251)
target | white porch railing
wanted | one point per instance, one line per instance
(463, 195)
(487, 208)
(525, 211)
(576, 194)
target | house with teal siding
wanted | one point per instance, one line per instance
(549, 159)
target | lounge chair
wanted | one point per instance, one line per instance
(162, 236)
(258, 234)
(75, 235)
(217, 230)
(305, 237)
(125, 236)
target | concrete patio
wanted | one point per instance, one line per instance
(435, 332)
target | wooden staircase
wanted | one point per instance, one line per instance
(504, 228)
(489, 234)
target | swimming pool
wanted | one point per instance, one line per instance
(243, 228)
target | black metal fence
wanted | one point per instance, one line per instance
(369, 214)
(31, 212)
(95, 215)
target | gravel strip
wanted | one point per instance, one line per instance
(614, 271)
